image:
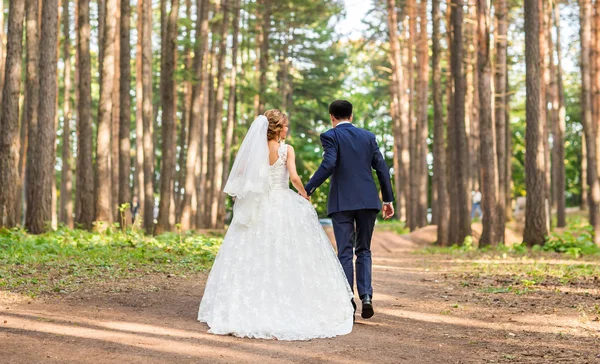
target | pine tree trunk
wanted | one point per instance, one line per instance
(9, 118)
(439, 151)
(422, 130)
(84, 196)
(414, 164)
(21, 199)
(451, 150)
(32, 88)
(501, 12)
(559, 131)
(147, 111)
(104, 205)
(2, 51)
(264, 53)
(203, 190)
(231, 107)
(115, 117)
(543, 69)
(39, 206)
(195, 127)
(139, 123)
(66, 184)
(488, 166)
(588, 126)
(169, 129)
(124, 111)
(459, 139)
(535, 169)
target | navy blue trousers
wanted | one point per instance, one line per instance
(359, 225)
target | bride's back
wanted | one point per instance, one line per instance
(273, 151)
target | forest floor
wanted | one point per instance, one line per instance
(430, 307)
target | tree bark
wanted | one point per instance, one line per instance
(169, 129)
(488, 165)
(139, 124)
(559, 131)
(39, 206)
(459, 139)
(2, 51)
(264, 53)
(125, 110)
(231, 107)
(66, 184)
(147, 111)
(104, 211)
(195, 127)
(501, 12)
(439, 150)
(535, 169)
(414, 164)
(422, 130)
(115, 116)
(544, 76)
(84, 193)
(9, 118)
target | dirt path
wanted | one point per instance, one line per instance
(422, 316)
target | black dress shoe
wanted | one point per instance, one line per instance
(367, 307)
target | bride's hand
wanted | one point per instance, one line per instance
(304, 195)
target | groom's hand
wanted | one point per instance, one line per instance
(388, 211)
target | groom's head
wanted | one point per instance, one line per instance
(340, 110)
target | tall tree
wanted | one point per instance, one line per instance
(139, 102)
(439, 150)
(489, 163)
(104, 211)
(231, 106)
(39, 205)
(535, 172)
(125, 108)
(32, 87)
(413, 205)
(84, 192)
(195, 127)
(459, 137)
(422, 130)
(66, 181)
(169, 129)
(559, 130)
(147, 111)
(115, 117)
(9, 118)
(501, 12)
(2, 53)
(266, 8)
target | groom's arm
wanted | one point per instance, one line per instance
(327, 165)
(383, 173)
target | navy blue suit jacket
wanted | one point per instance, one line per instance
(350, 155)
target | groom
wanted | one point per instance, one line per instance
(350, 155)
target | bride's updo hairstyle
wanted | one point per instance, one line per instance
(277, 121)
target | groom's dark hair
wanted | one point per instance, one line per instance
(340, 109)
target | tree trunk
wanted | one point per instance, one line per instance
(21, 198)
(39, 205)
(147, 111)
(588, 126)
(125, 111)
(414, 164)
(32, 89)
(501, 12)
(9, 118)
(422, 130)
(559, 131)
(218, 116)
(264, 53)
(84, 196)
(231, 108)
(169, 129)
(115, 116)
(544, 77)
(454, 218)
(195, 127)
(535, 169)
(139, 124)
(488, 164)
(439, 150)
(459, 139)
(203, 190)
(66, 184)
(104, 211)
(2, 52)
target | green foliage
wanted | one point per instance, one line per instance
(396, 226)
(576, 240)
(59, 261)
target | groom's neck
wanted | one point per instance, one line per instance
(337, 122)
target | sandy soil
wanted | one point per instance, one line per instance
(423, 315)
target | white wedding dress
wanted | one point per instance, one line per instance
(278, 277)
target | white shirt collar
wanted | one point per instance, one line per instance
(343, 122)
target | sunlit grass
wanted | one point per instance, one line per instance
(62, 260)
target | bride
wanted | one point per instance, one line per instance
(276, 275)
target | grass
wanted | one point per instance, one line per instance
(63, 260)
(393, 225)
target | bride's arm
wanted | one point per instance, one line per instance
(294, 177)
